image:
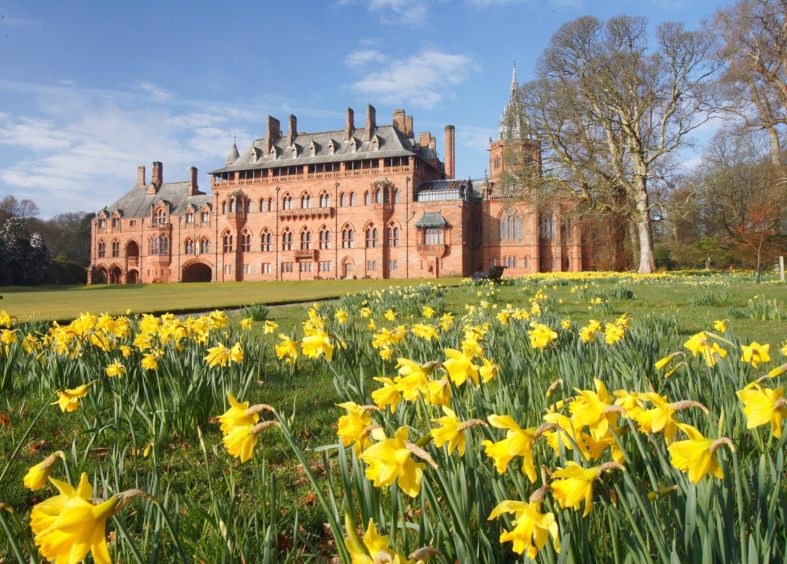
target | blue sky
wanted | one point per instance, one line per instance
(90, 90)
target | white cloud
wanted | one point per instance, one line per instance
(409, 12)
(155, 92)
(423, 79)
(362, 57)
(559, 4)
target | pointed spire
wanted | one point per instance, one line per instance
(234, 154)
(514, 83)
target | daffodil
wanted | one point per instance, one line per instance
(541, 336)
(240, 441)
(460, 367)
(341, 316)
(427, 312)
(115, 369)
(661, 417)
(762, 406)
(390, 315)
(246, 323)
(38, 474)
(698, 344)
(269, 327)
(518, 442)
(756, 353)
(613, 333)
(696, 455)
(587, 334)
(591, 409)
(388, 396)
(236, 415)
(391, 460)
(720, 325)
(286, 349)
(488, 370)
(68, 400)
(150, 360)
(425, 332)
(236, 353)
(68, 526)
(449, 432)
(573, 484)
(531, 528)
(353, 428)
(218, 356)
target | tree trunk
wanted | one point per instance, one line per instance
(647, 256)
(776, 150)
(631, 228)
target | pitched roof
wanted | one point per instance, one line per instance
(386, 141)
(431, 219)
(138, 203)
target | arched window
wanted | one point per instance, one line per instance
(205, 216)
(379, 196)
(306, 239)
(306, 201)
(267, 241)
(248, 205)
(227, 242)
(245, 242)
(367, 198)
(102, 249)
(190, 217)
(325, 200)
(371, 236)
(188, 247)
(546, 226)
(343, 200)
(433, 236)
(325, 238)
(160, 217)
(223, 208)
(393, 236)
(102, 223)
(163, 244)
(262, 204)
(510, 225)
(115, 248)
(397, 196)
(204, 246)
(154, 245)
(352, 199)
(286, 240)
(347, 237)
(270, 204)
(286, 202)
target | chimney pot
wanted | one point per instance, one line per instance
(450, 145)
(272, 132)
(371, 120)
(349, 124)
(193, 188)
(140, 176)
(293, 129)
(423, 138)
(408, 127)
(157, 176)
(399, 119)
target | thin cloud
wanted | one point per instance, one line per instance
(362, 57)
(423, 79)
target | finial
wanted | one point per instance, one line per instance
(234, 138)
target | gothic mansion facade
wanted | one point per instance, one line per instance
(373, 201)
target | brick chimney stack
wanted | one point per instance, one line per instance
(371, 120)
(432, 143)
(349, 124)
(272, 132)
(193, 188)
(450, 133)
(423, 138)
(157, 176)
(408, 127)
(292, 133)
(140, 176)
(399, 119)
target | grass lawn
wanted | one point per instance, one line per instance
(63, 303)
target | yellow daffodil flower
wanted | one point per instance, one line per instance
(218, 356)
(698, 344)
(236, 415)
(460, 367)
(390, 460)
(541, 336)
(573, 484)
(756, 353)
(518, 442)
(68, 526)
(246, 323)
(762, 406)
(696, 455)
(613, 333)
(427, 312)
(115, 369)
(450, 432)
(269, 327)
(68, 400)
(720, 325)
(341, 316)
(531, 529)
(353, 427)
(38, 474)
(287, 349)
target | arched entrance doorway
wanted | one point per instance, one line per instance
(132, 253)
(115, 275)
(197, 272)
(131, 277)
(100, 276)
(347, 268)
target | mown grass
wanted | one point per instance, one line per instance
(46, 303)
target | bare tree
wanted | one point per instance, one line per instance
(611, 110)
(753, 47)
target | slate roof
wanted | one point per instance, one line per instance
(390, 142)
(431, 219)
(138, 203)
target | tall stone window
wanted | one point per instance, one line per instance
(286, 240)
(433, 236)
(325, 238)
(102, 249)
(245, 241)
(267, 241)
(510, 225)
(115, 248)
(306, 239)
(371, 236)
(188, 247)
(204, 246)
(306, 201)
(325, 200)
(227, 243)
(347, 237)
(393, 235)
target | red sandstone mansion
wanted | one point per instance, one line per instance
(373, 201)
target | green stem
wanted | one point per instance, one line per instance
(739, 497)
(24, 437)
(11, 539)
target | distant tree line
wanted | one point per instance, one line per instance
(37, 251)
(615, 106)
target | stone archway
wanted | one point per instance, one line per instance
(197, 272)
(100, 276)
(115, 275)
(347, 267)
(132, 277)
